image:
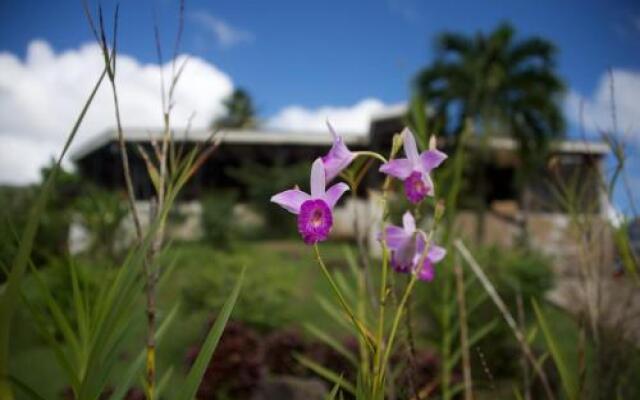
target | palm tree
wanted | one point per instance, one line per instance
(240, 112)
(503, 86)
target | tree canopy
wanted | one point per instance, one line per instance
(505, 86)
(240, 112)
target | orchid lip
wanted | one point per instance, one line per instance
(314, 221)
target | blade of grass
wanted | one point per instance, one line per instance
(138, 363)
(334, 392)
(164, 381)
(331, 342)
(568, 378)
(508, 317)
(478, 335)
(25, 389)
(194, 377)
(11, 294)
(326, 373)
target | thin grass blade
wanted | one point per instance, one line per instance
(192, 382)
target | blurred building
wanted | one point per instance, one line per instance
(568, 183)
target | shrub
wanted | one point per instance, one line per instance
(268, 288)
(217, 218)
(102, 213)
(512, 271)
(52, 236)
(261, 183)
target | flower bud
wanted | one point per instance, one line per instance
(432, 142)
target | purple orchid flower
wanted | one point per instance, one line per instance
(407, 248)
(314, 211)
(414, 170)
(339, 156)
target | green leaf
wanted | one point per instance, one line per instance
(80, 301)
(164, 381)
(419, 119)
(59, 317)
(478, 335)
(138, 363)
(334, 392)
(192, 382)
(568, 378)
(516, 393)
(331, 342)
(24, 388)
(326, 373)
(335, 313)
(11, 294)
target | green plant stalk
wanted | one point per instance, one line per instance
(192, 382)
(567, 376)
(396, 322)
(520, 336)
(446, 337)
(356, 322)
(372, 154)
(450, 211)
(9, 299)
(464, 335)
(378, 383)
(362, 342)
(379, 371)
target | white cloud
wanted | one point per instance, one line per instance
(353, 119)
(597, 112)
(41, 96)
(597, 107)
(226, 35)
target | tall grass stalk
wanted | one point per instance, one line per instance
(506, 314)
(10, 296)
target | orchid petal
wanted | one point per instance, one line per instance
(427, 271)
(409, 223)
(436, 253)
(429, 184)
(317, 179)
(400, 168)
(410, 146)
(404, 256)
(337, 159)
(395, 237)
(431, 159)
(332, 131)
(334, 193)
(291, 200)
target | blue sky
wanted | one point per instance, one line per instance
(304, 60)
(337, 52)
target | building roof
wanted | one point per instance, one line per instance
(577, 146)
(230, 136)
(302, 138)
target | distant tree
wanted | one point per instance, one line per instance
(503, 86)
(240, 112)
(507, 87)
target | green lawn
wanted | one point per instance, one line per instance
(281, 288)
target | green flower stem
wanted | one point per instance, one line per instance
(379, 370)
(372, 154)
(403, 301)
(359, 326)
(396, 320)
